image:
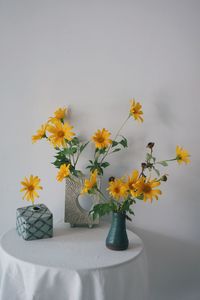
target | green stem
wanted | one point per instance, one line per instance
(73, 159)
(103, 197)
(78, 155)
(172, 159)
(121, 127)
(165, 160)
(123, 124)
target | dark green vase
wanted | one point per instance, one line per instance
(117, 237)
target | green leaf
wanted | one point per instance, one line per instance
(74, 150)
(58, 162)
(124, 143)
(163, 163)
(140, 197)
(114, 144)
(96, 164)
(105, 164)
(157, 171)
(116, 150)
(74, 172)
(82, 147)
(148, 157)
(66, 151)
(101, 209)
(100, 170)
(102, 151)
(89, 167)
(128, 218)
(75, 141)
(70, 150)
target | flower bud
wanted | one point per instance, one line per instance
(163, 178)
(112, 178)
(143, 165)
(150, 145)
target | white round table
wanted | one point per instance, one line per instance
(73, 265)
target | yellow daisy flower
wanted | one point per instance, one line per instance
(118, 189)
(132, 180)
(60, 133)
(101, 138)
(145, 188)
(63, 172)
(59, 114)
(182, 155)
(90, 183)
(41, 133)
(135, 110)
(30, 186)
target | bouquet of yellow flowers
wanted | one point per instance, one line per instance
(122, 192)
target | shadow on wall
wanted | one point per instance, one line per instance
(164, 109)
(174, 267)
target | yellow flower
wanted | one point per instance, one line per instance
(101, 138)
(136, 111)
(145, 188)
(59, 114)
(60, 133)
(41, 133)
(90, 183)
(30, 186)
(63, 172)
(118, 189)
(182, 155)
(132, 180)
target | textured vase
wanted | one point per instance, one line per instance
(117, 238)
(74, 213)
(34, 222)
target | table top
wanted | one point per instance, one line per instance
(76, 248)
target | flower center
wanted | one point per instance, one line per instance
(101, 139)
(137, 112)
(131, 186)
(30, 188)
(60, 133)
(59, 116)
(146, 188)
(117, 190)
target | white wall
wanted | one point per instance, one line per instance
(94, 56)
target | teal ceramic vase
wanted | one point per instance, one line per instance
(117, 238)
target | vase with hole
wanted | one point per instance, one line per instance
(75, 213)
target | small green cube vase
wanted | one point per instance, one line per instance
(34, 222)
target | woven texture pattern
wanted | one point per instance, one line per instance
(34, 224)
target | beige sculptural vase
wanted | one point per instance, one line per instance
(75, 214)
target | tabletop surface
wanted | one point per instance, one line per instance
(70, 248)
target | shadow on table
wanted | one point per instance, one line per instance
(174, 267)
(65, 230)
